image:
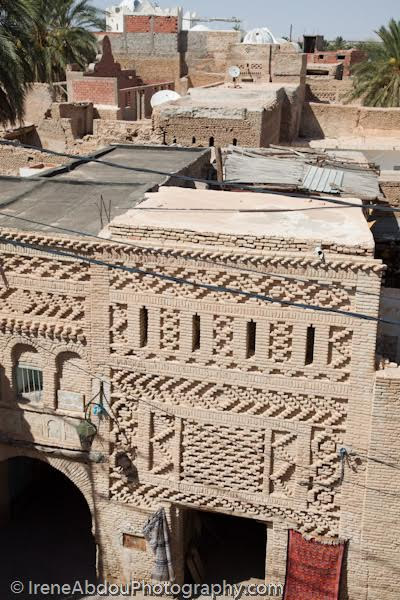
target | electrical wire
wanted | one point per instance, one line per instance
(171, 253)
(187, 178)
(180, 280)
(171, 413)
(197, 284)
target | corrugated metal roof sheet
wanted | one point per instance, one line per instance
(246, 169)
(327, 181)
(250, 166)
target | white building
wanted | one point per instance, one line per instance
(190, 20)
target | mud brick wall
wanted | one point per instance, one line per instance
(273, 418)
(333, 120)
(154, 56)
(253, 130)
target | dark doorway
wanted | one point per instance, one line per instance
(48, 534)
(223, 548)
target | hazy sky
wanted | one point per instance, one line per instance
(353, 19)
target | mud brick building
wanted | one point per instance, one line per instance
(255, 114)
(347, 58)
(223, 408)
(116, 93)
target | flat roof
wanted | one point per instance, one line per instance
(225, 98)
(84, 196)
(242, 214)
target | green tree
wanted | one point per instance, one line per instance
(338, 43)
(377, 80)
(372, 48)
(17, 18)
(63, 35)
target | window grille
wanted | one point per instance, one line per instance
(29, 382)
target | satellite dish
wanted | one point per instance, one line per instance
(163, 96)
(234, 72)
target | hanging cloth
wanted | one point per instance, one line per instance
(156, 533)
(313, 569)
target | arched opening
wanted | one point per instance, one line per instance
(46, 526)
(193, 140)
(27, 373)
(235, 142)
(211, 142)
(70, 368)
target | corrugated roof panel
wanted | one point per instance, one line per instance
(328, 181)
(251, 166)
(261, 170)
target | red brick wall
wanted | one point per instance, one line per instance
(137, 24)
(331, 56)
(96, 90)
(147, 24)
(165, 25)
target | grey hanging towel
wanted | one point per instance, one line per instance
(156, 533)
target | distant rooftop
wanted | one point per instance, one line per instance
(211, 213)
(226, 99)
(82, 196)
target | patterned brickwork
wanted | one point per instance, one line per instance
(43, 268)
(326, 472)
(169, 330)
(280, 348)
(229, 458)
(209, 427)
(283, 451)
(118, 328)
(223, 337)
(175, 391)
(43, 305)
(161, 438)
(329, 296)
(147, 496)
(340, 347)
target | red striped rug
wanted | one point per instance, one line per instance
(313, 569)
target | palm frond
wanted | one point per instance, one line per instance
(377, 80)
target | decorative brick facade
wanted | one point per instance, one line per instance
(206, 422)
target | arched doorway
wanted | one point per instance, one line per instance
(48, 533)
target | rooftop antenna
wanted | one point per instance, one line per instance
(234, 72)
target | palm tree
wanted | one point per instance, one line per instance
(338, 43)
(16, 23)
(377, 80)
(63, 36)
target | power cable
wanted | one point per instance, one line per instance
(170, 253)
(197, 284)
(187, 178)
(171, 413)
